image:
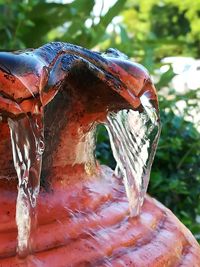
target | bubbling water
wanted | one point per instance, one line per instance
(27, 147)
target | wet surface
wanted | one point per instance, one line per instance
(52, 99)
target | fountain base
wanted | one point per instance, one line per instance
(87, 223)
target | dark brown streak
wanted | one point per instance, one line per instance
(18, 100)
(5, 70)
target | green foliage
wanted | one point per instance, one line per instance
(30, 24)
(175, 177)
(146, 30)
(103, 148)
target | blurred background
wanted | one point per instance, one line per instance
(162, 35)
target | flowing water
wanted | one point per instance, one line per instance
(133, 136)
(27, 147)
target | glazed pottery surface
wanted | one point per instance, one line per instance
(59, 206)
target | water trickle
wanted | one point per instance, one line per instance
(27, 147)
(133, 136)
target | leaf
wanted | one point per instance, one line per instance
(100, 28)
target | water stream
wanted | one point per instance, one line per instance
(133, 136)
(27, 146)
